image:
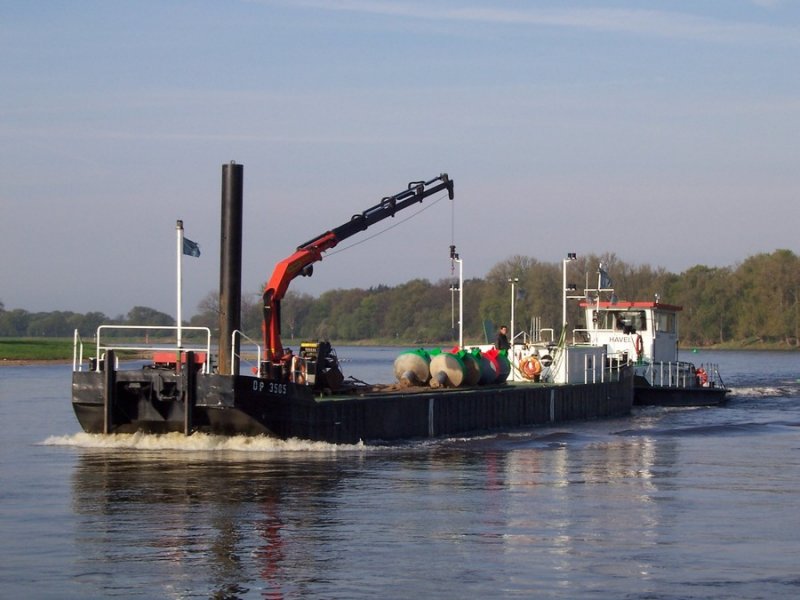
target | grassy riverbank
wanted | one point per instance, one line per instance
(35, 349)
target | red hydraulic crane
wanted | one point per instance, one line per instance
(301, 262)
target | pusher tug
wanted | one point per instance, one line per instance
(645, 334)
(192, 385)
(642, 335)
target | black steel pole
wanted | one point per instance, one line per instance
(230, 268)
(109, 390)
(189, 384)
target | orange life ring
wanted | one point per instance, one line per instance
(638, 344)
(298, 371)
(530, 367)
(702, 376)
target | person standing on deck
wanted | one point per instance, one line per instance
(502, 339)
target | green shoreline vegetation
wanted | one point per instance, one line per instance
(753, 305)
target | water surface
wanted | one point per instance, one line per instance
(665, 503)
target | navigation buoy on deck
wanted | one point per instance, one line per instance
(472, 367)
(413, 367)
(488, 370)
(505, 367)
(500, 363)
(447, 370)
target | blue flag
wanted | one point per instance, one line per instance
(191, 248)
(605, 280)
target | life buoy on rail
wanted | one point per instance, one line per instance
(702, 376)
(638, 345)
(530, 367)
(298, 370)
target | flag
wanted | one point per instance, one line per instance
(191, 248)
(605, 280)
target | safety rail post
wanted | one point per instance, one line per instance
(77, 351)
(603, 371)
(718, 376)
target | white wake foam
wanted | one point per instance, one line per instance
(763, 391)
(197, 442)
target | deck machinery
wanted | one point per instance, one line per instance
(281, 365)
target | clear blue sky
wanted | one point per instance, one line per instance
(665, 132)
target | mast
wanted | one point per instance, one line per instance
(230, 270)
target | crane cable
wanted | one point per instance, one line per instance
(400, 222)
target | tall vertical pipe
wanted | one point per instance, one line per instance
(189, 384)
(109, 390)
(230, 267)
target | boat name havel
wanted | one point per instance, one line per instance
(620, 338)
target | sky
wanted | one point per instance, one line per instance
(664, 132)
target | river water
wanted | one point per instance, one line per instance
(665, 503)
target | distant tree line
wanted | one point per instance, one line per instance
(21, 323)
(756, 301)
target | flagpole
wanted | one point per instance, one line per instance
(599, 287)
(179, 228)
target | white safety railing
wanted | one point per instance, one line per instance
(102, 344)
(596, 369)
(590, 369)
(540, 335)
(77, 351)
(243, 335)
(668, 374)
(682, 374)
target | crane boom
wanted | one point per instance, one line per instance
(302, 260)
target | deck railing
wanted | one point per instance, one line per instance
(166, 344)
(596, 369)
(682, 374)
(243, 335)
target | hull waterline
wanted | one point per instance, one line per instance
(160, 402)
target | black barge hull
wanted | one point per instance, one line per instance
(160, 401)
(654, 395)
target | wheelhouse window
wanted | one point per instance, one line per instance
(629, 321)
(665, 322)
